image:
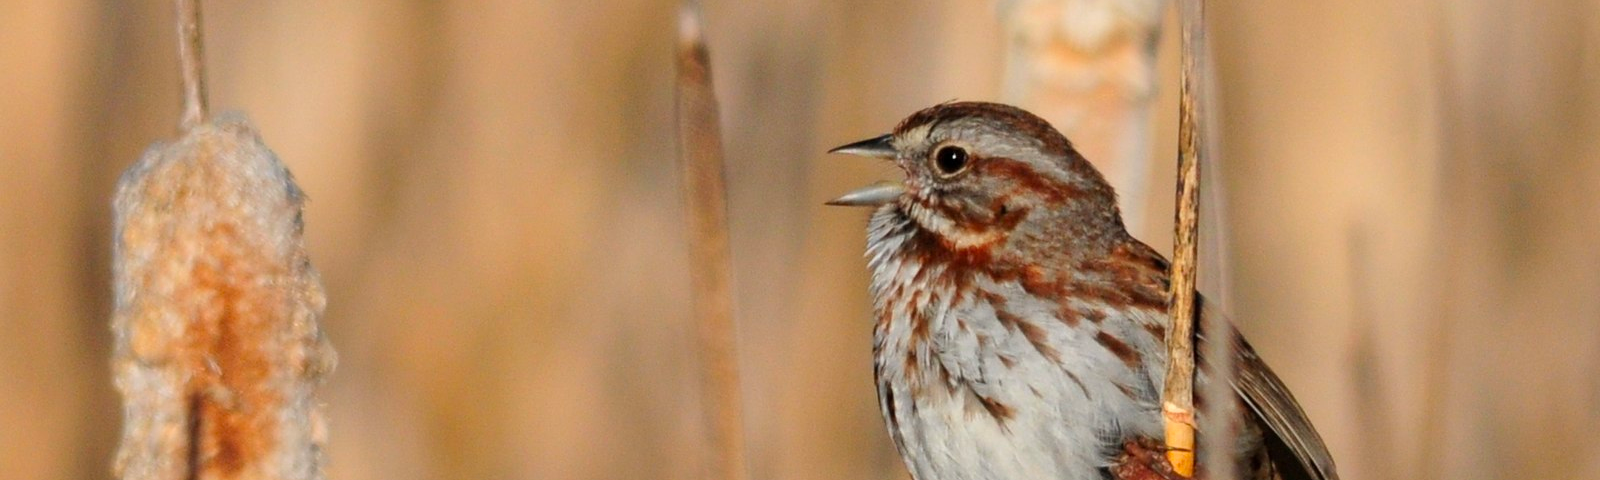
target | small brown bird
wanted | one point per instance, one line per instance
(1019, 326)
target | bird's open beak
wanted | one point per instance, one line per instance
(878, 193)
(871, 195)
(878, 147)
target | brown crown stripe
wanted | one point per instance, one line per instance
(1013, 119)
(1118, 348)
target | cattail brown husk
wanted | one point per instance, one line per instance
(217, 344)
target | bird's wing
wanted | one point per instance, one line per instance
(1273, 405)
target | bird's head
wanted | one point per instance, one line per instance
(977, 173)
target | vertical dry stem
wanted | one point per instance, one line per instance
(191, 60)
(1177, 396)
(700, 144)
(217, 348)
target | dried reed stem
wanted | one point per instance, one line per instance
(710, 263)
(1088, 66)
(191, 60)
(217, 349)
(1177, 396)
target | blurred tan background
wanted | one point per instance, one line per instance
(1412, 217)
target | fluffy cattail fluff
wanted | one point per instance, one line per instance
(217, 344)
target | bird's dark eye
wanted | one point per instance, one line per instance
(950, 160)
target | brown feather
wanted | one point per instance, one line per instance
(1297, 450)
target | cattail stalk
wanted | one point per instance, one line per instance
(1177, 395)
(217, 348)
(191, 62)
(710, 263)
(1088, 66)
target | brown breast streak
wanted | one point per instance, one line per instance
(1119, 348)
(1006, 360)
(919, 320)
(1158, 331)
(1039, 283)
(1094, 316)
(912, 367)
(1039, 339)
(1132, 275)
(1000, 412)
(1079, 382)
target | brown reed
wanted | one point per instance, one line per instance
(1177, 394)
(710, 263)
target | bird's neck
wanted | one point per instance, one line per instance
(1084, 254)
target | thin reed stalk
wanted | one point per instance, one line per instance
(710, 263)
(191, 61)
(1177, 395)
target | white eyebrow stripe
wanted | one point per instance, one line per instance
(921, 130)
